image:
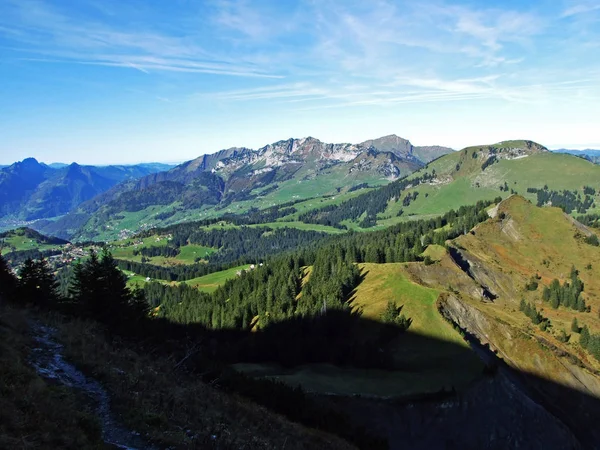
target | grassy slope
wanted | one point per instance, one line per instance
(19, 241)
(558, 171)
(518, 247)
(435, 252)
(206, 283)
(509, 251)
(210, 282)
(431, 365)
(385, 282)
(124, 250)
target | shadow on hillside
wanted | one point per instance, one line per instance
(504, 408)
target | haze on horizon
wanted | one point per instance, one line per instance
(102, 82)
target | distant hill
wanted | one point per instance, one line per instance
(467, 176)
(484, 172)
(237, 179)
(589, 154)
(57, 165)
(30, 190)
(27, 239)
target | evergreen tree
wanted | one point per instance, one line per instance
(99, 289)
(37, 284)
(575, 325)
(584, 338)
(8, 282)
(522, 305)
(392, 315)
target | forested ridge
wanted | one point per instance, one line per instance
(269, 293)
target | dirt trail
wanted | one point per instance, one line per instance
(48, 360)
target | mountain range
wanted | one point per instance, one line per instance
(589, 154)
(31, 190)
(293, 168)
(233, 174)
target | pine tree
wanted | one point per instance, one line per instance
(554, 299)
(522, 305)
(584, 338)
(100, 291)
(392, 315)
(8, 282)
(575, 325)
(37, 284)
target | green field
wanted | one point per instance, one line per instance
(300, 226)
(470, 184)
(124, 250)
(135, 280)
(385, 282)
(18, 241)
(210, 282)
(207, 283)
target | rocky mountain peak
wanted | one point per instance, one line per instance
(391, 143)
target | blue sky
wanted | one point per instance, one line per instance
(102, 81)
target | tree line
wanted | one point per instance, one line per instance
(568, 201)
(98, 291)
(370, 204)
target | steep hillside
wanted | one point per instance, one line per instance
(152, 404)
(18, 182)
(508, 264)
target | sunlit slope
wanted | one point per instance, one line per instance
(524, 240)
(462, 178)
(502, 255)
(188, 254)
(433, 355)
(27, 239)
(210, 282)
(394, 282)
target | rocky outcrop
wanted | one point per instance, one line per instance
(550, 377)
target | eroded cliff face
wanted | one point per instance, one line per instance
(561, 383)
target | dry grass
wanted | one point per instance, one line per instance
(175, 409)
(33, 412)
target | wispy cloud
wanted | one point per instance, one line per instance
(330, 52)
(57, 37)
(581, 8)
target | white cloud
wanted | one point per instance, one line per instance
(58, 37)
(581, 8)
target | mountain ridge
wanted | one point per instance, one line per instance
(32, 190)
(241, 174)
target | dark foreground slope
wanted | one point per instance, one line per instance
(161, 404)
